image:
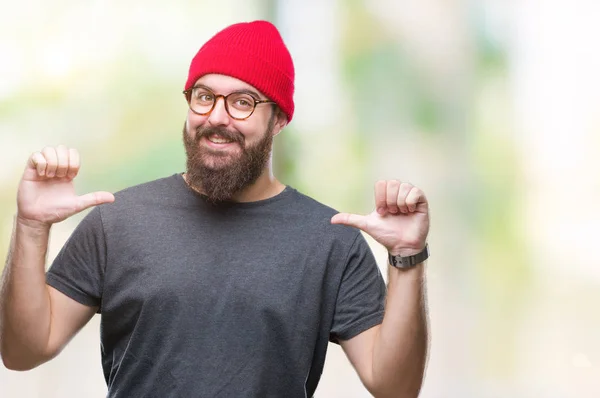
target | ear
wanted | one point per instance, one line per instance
(280, 121)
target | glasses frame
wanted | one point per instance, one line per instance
(188, 97)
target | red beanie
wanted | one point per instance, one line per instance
(253, 52)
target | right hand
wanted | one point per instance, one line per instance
(46, 193)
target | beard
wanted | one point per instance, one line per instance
(220, 176)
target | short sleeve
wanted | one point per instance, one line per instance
(78, 269)
(361, 296)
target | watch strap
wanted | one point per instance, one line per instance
(409, 261)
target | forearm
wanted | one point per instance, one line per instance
(400, 348)
(25, 311)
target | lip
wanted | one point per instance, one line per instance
(205, 141)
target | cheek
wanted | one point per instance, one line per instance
(252, 132)
(194, 121)
(190, 129)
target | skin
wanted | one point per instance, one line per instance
(37, 321)
(252, 130)
(390, 358)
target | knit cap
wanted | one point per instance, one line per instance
(253, 52)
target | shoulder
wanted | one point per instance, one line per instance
(311, 211)
(303, 202)
(149, 189)
(148, 195)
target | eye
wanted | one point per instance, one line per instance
(241, 101)
(204, 97)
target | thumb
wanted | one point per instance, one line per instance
(352, 220)
(93, 199)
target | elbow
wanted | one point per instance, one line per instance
(19, 364)
(19, 361)
(397, 390)
(412, 394)
(15, 364)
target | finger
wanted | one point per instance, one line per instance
(62, 164)
(38, 161)
(74, 163)
(51, 161)
(380, 187)
(416, 200)
(391, 196)
(405, 188)
(352, 220)
(93, 199)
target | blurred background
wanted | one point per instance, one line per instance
(491, 106)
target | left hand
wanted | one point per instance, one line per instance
(400, 221)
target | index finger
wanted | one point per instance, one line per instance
(38, 161)
(380, 196)
(73, 163)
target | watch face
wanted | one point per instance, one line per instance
(396, 261)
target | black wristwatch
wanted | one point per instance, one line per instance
(409, 261)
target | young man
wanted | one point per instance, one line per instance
(220, 281)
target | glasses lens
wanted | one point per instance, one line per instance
(201, 100)
(240, 105)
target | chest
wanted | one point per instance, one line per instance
(226, 277)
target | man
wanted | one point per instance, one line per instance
(221, 281)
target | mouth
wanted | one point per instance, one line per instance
(218, 141)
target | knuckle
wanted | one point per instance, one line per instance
(417, 192)
(37, 158)
(406, 187)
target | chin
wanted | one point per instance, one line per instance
(217, 162)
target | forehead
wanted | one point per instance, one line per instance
(223, 84)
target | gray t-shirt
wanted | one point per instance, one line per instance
(230, 300)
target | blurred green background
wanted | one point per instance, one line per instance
(492, 107)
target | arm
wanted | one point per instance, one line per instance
(37, 321)
(390, 358)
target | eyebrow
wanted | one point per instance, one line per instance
(243, 91)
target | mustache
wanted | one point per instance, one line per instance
(221, 131)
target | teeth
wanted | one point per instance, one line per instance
(218, 140)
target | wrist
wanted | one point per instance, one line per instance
(33, 226)
(415, 273)
(406, 251)
(408, 258)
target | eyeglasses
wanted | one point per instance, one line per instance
(239, 105)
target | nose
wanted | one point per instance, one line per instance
(219, 115)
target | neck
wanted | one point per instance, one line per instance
(265, 187)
